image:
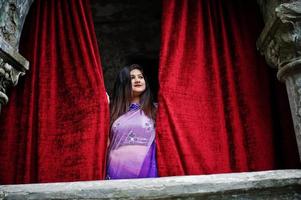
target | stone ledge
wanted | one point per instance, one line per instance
(278, 184)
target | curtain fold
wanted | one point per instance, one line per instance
(56, 123)
(214, 113)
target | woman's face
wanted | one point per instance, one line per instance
(138, 82)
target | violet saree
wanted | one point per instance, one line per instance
(132, 151)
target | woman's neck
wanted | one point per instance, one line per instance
(135, 100)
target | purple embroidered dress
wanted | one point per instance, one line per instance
(132, 151)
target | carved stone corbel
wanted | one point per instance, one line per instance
(280, 43)
(12, 64)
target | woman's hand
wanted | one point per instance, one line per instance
(108, 97)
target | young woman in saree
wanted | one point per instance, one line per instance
(132, 150)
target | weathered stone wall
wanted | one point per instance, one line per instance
(127, 32)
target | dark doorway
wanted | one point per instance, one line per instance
(128, 32)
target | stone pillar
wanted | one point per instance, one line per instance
(280, 43)
(12, 64)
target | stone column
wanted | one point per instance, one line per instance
(280, 43)
(12, 64)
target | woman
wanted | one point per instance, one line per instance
(131, 152)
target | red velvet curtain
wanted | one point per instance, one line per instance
(55, 125)
(214, 111)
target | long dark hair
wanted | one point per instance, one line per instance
(122, 95)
